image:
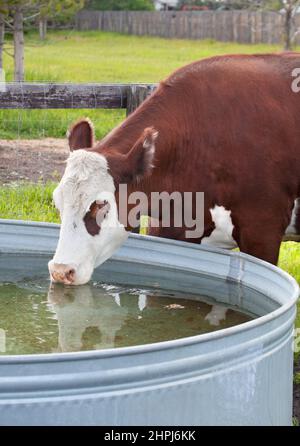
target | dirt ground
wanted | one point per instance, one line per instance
(32, 160)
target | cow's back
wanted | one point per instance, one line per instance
(234, 123)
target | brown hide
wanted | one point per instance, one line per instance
(228, 126)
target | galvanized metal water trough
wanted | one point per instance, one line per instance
(238, 376)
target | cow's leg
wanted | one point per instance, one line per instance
(260, 236)
(262, 245)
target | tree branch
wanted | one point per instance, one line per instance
(7, 52)
(295, 7)
(7, 23)
(32, 16)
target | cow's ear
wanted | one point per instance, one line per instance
(81, 135)
(137, 163)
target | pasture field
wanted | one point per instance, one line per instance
(99, 57)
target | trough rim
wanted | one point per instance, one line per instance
(164, 345)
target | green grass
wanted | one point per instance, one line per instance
(289, 260)
(100, 57)
(28, 201)
(109, 57)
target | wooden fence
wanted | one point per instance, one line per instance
(237, 26)
(23, 95)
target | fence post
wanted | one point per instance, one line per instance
(136, 94)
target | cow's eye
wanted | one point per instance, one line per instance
(95, 216)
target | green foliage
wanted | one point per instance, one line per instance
(211, 4)
(121, 5)
(3, 7)
(11, 5)
(271, 5)
(59, 8)
(49, 8)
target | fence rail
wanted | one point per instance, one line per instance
(238, 26)
(14, 95)
(60, 96)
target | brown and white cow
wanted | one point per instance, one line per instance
(228, 126)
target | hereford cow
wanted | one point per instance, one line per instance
(227, 126)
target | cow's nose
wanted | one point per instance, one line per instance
(62, 273)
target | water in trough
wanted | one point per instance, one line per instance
(37, 317)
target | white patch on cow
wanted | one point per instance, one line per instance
(291, 229)
(221, 236)
(85, 180)
(149, 146)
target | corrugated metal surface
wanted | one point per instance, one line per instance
(238, 376)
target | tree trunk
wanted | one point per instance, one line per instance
(43, 28)
(2, 28)
(288, 27)
(18, 45)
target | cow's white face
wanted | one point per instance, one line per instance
(85, 197)
(90, 230)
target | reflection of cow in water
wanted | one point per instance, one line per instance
(89, 319)
(84, 321)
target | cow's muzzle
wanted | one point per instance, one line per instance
(61, 273)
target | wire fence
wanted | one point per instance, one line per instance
(34, 118)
